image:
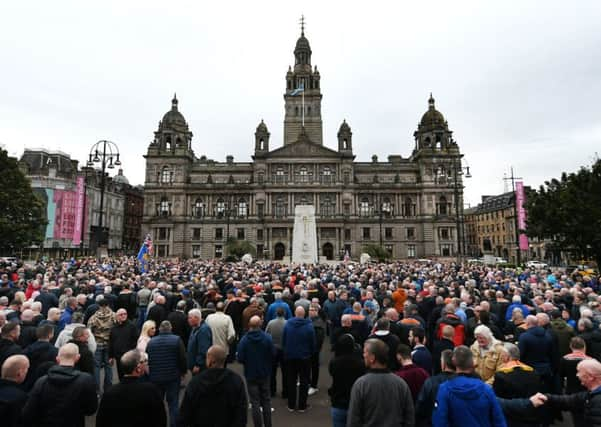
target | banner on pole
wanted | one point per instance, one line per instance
(520, 198)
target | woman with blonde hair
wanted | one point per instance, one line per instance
(148, 330)
(486, 351)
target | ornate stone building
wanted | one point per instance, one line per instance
(406, 204)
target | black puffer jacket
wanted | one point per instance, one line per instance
(586, 403)
(61, 399)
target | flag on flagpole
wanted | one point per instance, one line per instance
(145, 253)
(346, 257)
(300, 89)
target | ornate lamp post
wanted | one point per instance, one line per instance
(458, 170)
(105, 153)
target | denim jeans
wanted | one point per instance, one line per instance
(101, 360)
(170, 391)
(141, 317)
(338, 417)
(260, 398)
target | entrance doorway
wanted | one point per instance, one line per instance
(279, 250)
(328, 251)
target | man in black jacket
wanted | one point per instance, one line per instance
(41, 354)
(132, 403)
(215, 397)
(588, 402)
(80, 337)
(64, 396)
(426, 398)
(8, 341)
(12, 397)
(123, 337)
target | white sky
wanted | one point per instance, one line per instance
(518, 81)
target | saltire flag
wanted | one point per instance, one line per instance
(145, 253)
(300, 89)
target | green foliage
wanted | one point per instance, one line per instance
(568, 212)
(22, 217)
(239, 248)
(376, 252)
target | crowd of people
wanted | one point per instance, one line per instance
(412, 343)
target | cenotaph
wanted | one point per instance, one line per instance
(304, 237)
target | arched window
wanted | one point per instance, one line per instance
(345, 144)
(242, 208)
(279, 177)
(326, 175)
(303, 174)
(164, 208)
(198, 210)
(220, 208)
(166, 175)
(364, 208)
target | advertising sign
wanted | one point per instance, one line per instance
(79, 196)
(520, 199)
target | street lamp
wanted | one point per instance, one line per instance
(107, 154)
(458, 170)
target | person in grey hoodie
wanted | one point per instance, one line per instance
(275, 328)
(299, 343)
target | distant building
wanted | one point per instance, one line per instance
(73, 206)
(133, 210)
(407, 205)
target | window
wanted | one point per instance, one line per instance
(303, 175)
(261, 177)
(410, 233)
(218, 233)
(327, 207)
(163, 233)
(445, 249)
(386, 207)
(260, 210)
(220, 208)
(346, 176)
(411, 251)
(195, 251)
(198, 210)
(388, 249)
(366, 233)
(280, 207)
(218, 251)
(240, 233)
(408, 207)
(164, 208)
(444, 233)
(346, 208)
(162, 251)
(442, 206)
(347, 234)
(280, 177)
(326, 175)
(260, 249)
(364, 208)
(388, 233)
(242, 208)
(196, 234)
(166, 175)
(260, 234)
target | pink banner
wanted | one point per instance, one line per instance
(520, 202)
(64, 217)
(79, 196)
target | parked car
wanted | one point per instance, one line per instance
(536, 264)
(500, 260)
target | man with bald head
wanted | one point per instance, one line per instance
(12, 397)
(587, 403)
(299, 343)
(216, 396)
(64, 396)
(255, 352)
(123, 337)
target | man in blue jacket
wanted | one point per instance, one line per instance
(298, 342)
(255, 352)
(201, 338)
(466, 401)
(273, 308)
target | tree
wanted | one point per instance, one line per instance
(568, 212)
(377, 252)
(22, 216)
(239, 248)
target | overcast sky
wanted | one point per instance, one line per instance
(518, 81)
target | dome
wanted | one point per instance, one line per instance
(120, 178)
(432, 119)
(173, 116)
(302, 44)
(262, 127)
(344, 127)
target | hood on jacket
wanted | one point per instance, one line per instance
(465, 388)
(297, 322)
(255, 336)
(62, 375)
(537, 331)
(103, 314)
(212, 379)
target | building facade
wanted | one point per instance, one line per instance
(72, 201)
(407, 205)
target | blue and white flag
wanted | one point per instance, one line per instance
(145, 253)
(300, 89)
